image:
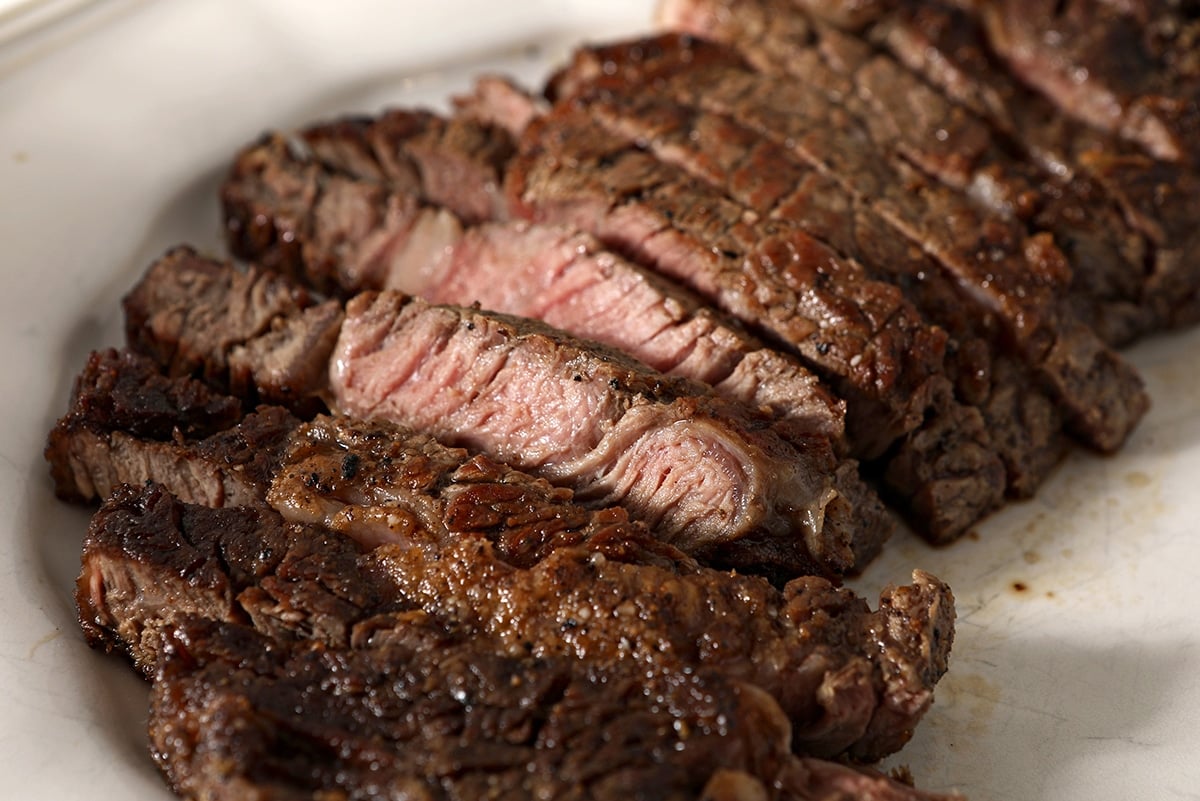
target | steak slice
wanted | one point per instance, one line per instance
(457, 162)
(148, 560)
(129, 424)
(859, 335)
(909, 120)
(949, 50)
(1017, 278)
(849, 678)
(1128, 70)
(706, 473)
(733, 158)
(347, 234)
(413, 712)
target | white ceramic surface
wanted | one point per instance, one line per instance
(1076, 670)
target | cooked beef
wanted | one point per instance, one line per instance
(860, 335)
(263, 337)
(415, 712)
(497, 100)
(456, 162)
(849, 678)
(727, 155)
(708, 474)
(1131, 69)
(350, 235)
(1159, 200)
(149, 559)
(909, 120)
(1018, 278)
(128, 424)
(700, 470)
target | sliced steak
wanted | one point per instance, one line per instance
(700, 470)
(909, 120)
(264, 337)
(1017, 278)
(149, 559)
(414, 712)
(129, 424)
(457, 162)
(949, 50)
(707, 473)
(860, 335)
(727, 155)
(1131, 70)
(849, 678)
(346, 233)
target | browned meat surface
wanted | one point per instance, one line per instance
(149, 559)
(849, 678)
(707, 474)
(699, 470)
(1158, 200)
(909, 120)
(734, 158)
(417, 712)
(347, 232)
(1020, 279)
(1132, 70)
(128, 424)
(350, 234)
(860, 335)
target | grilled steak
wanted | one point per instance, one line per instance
(850, 679)
(1127, 69)
(909, 120)
(1018, 279)
(351, 235)
(416, 712)
(128, 424)
(706, 473)
(949, 49)
(725, 154)
(859, 334)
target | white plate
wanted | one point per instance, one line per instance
(115, 125)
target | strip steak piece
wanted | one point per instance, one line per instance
(554, 274)
(149, 559)
(1158, 199)
(1017, 278)
(911, 121)
(418, 713)
(129, 424)
(850, 679)
(734, 158)
(706, 473)
(1130, 70)
(701, 471)
(859, 335)
(347, 233)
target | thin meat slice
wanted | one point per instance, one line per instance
(909, 120)
(849, 678)
(129, 424)
(858, 334)
(700, 470)
(148, 560)
(345, 232)
(708, 474)
(415, 711)
(263, 337)
(772, 182)
(1129, 70)
(949, 50)
(1018, 278)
